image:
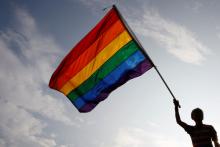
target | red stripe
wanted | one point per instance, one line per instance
(84, 44)
(90, 53)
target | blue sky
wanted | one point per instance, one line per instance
(181, 37)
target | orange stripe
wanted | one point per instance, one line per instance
(90, 53)
(97, 62)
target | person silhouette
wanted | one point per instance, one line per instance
(201, 134)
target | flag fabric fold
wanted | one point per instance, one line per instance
(106, 58)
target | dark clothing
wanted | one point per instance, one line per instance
(201, 136)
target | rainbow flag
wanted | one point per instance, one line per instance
(107, 57)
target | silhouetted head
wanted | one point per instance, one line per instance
(197, 115)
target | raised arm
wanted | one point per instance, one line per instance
(178, 119)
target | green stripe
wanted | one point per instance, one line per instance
(104, 70)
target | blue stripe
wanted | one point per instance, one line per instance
(110, 79)
(78, 103)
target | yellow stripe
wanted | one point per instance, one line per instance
(96, 63)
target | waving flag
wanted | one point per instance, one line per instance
(107, 57)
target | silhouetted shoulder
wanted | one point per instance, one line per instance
(188, 128)
(209, 128)
(212, 131)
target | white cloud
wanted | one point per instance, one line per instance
(137, 137)
(131, 137)
(26, 57)
(175, 38)
(19, 128)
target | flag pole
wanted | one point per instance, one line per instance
(142, 49)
